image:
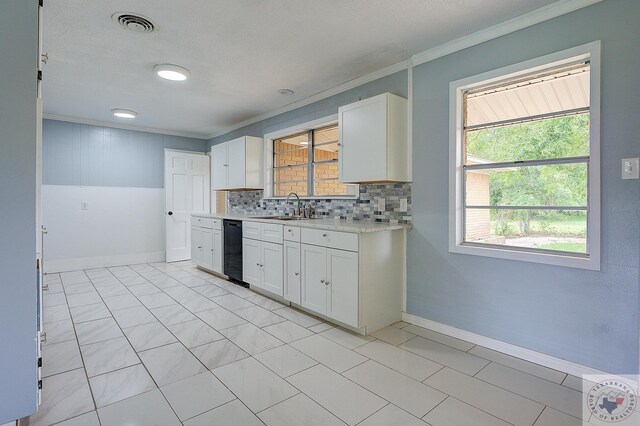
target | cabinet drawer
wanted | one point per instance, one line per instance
(250, 229)
(331, 239)
(271, 232)
(203, 222)
(216, 224)
(291, 233)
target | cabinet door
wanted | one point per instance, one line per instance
(342, 267)
(218, 249)
(314, 277)
(292, 276)
(219, 166)
(196, 245)
(272, 265)
(207, 248)
(236, 162)
(363, 134)
(251, 272)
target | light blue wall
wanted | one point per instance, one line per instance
(19, 50)
(394, 83)
(86, 155)
(586, 317)
(590, 318)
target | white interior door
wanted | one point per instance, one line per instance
(186, 183)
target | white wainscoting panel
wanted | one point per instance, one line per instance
(121, 225)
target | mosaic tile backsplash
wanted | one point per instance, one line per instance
(363, 208)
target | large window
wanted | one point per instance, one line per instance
(306, 162)
(524, 164)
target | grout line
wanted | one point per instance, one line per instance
(437, 405)
(376, 412)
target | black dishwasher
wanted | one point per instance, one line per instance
(233, 249)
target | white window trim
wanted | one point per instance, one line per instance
(268, 159)
(457, 88)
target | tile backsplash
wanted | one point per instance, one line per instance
(364, 208)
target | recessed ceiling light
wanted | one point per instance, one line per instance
(172, 72)
(124, 113)
(285, 92)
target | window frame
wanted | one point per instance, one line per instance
(590, 51)
(352, 189)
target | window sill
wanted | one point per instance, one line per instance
(590, 262)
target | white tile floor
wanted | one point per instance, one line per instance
(165, 344)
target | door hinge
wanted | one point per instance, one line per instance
(40, 384)
(40, 362)
(41, 3)
(39, 75)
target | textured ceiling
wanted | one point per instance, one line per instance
(239, 52)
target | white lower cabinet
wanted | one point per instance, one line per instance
(196, 245)
(206, 244)
(251, 273)
(218, 249)
(354, 279)
(342, 286)
(314, 277)
(207, 249)
(292, 271)
(330, 283)
(262, 265)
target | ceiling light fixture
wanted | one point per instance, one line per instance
(172, 72)
(304, 143)
(124, 113)
(285, 92)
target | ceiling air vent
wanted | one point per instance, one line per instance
(133, 22)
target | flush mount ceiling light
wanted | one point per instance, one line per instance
(285, 92)
(124, 113)
(172, 72)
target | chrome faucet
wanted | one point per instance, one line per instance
(296, 211)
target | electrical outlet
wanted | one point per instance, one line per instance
(631, 168)
(84, 205)
(403, 205)
(382, 206)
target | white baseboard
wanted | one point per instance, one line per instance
(506, 348)
(62, 265)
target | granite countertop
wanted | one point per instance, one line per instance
(344, 225)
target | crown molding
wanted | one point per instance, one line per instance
(358, 81)
(101, 123)
(536, 16)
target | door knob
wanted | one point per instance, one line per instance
(170, 213)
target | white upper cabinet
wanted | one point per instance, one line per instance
(373, 140)
(237, 164)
